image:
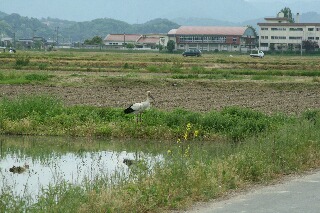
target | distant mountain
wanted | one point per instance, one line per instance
(52, 23)
(2, 14)
(155, 26)
(310, 17)
(102, 27)
(25, 27)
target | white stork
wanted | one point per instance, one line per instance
(139, 108)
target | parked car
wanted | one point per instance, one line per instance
(192, 52)
(260, 54)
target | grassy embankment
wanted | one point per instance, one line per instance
(250, 148)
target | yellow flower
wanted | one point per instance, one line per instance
(188, 126)
(196, 133)
(178, 141)
(169, 152)
(186, 152)
(185, 135)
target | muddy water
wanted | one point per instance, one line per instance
(52, 161)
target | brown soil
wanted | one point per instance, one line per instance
(199, 96)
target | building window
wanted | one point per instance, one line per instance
(317, 38)
(264, 28)
(295, 29)
(318, 29)
(234, 39)
(295, 38)
(201, 39)
(310, 38)
(278, 37)
(310, 29)
(278, 29)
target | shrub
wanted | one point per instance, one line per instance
(24, 106)
(22, 61)
(37, 77)
(43, 66)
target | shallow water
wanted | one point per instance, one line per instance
(53, 161)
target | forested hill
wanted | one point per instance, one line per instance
(25, 27)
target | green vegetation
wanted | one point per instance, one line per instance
(43, 115)
(96, 40)
(23, 78)
(288, 14)
(192, 170)
(170, 46)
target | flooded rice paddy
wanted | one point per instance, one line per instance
(30, 165)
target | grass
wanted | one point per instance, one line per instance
(38, 115)
(23, 78)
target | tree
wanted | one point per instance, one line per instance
(94, 41)
(309, 45)
(129, 45)
(272, 47)
(288, 14)
(171, 46)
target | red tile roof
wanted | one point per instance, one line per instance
(122, 37)
(148, 40)
(209, 30)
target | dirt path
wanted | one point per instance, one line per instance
(196, 96)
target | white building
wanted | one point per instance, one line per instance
(279, 34)
(149, 41)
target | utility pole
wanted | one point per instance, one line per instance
(33, 33)
(14, 39)
(301, 46)
(124, 39)
(57, 29)
(14, 36)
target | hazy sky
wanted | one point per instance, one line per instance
(140, 11)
